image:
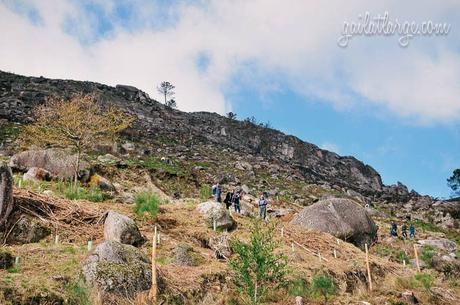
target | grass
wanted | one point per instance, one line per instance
(420, 280)
(205, 192)
(146, 203)
(64, 189)
(77, 293)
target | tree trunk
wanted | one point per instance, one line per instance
(6, 193)
(77, 167)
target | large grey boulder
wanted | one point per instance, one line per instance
(340, 217)
(440, 243)
(216, 212)
(117, 268)
(121, 228)
(60, 163)
(6, 193)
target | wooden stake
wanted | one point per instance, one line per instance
(416, 259)
(154, 288)
(214, 225)
(335, 253)
(404, 262)
(90, 245)
(282, 232)
(16, 261)
(368, 268)
(56, 239)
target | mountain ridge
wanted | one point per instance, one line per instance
(20, 94)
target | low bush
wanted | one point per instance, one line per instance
(322, 285)
(146, 203)
(205, 192)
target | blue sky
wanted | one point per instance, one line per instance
(396, 108)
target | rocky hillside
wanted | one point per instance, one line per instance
(159, 124)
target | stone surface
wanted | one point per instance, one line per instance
(58, 162)
(37, 174)
(6, 193)
(184, 255)
(121, 228)
(340, 217)
(103, 183)
(214, 211)
(221, 246)
(27, 230)
(117, 268)
(440, 243)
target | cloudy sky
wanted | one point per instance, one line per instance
(396, 108)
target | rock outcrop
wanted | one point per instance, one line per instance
(122, 229)
(20, 94)
(28, 230)
(117, 268)
(37, 174)
(340, 217)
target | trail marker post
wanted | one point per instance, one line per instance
(368, 268)
(416, 259)
(154, 288)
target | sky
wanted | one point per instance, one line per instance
(390, 100)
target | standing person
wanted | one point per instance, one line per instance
(394, 230)
(228, 200)
(404, 231)
(412, 230)
(263, 207)
(217, 192)
(236, 201)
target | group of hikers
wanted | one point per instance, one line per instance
(234, 197)
(394, 230)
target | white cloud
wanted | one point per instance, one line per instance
(291, 42)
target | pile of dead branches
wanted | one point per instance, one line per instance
(66, 216)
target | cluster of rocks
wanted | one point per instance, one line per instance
(117, 265)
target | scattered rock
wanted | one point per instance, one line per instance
(103, 183)
(340, 217)
(408, 297)
(128, 147)
(37, 174)
(441, 243)
(58, 162)
(214, 211)
(243, 165)
(221, 246)
(184, 255)
(6, 193)
(108, 159)
(6, 259)
(28, 230)
(121, 228)
(421, 263)
(117, 268)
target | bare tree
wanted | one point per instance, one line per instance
(79, 124)
(231, 115)
(167, 90)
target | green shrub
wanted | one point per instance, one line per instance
(76, 193)
(428, 252)
(146, 203)
(77, 293)
(258, 268)
(424, 280)
(402, 256)
(298, 287)
(205, 192)
(322, 285)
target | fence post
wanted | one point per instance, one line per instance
(368, 268)
(153, 289)
(416, 258)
